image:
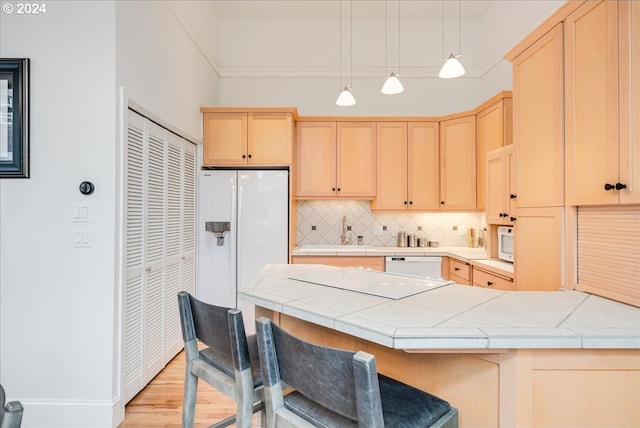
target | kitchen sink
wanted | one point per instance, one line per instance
(336, 248)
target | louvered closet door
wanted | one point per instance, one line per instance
(155, 219)
(189, 172)
(133, 257)
(173, 247)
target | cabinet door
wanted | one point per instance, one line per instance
(538, 115)
(630, 101)
(225, 139)
(316, 159)
(423, 175)
(493, 127)
(539, 260)
(356, 164)
(497, 179)
(458, 163)
(391, 149)
(591, 58)
(269, 138)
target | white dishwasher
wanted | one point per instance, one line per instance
(428, 267)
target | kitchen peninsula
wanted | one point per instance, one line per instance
(508, 359)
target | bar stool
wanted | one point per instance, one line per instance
(229, 363)
(10, 413)
(336, 388)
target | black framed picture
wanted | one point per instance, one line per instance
(14, 117)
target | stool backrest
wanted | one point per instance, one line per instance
(341, 381)
(205, 322)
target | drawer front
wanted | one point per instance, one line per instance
(460, 269)
(487, 280)
(459, 280)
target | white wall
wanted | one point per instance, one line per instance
(59, 305)
(57, 302)
(161, 66)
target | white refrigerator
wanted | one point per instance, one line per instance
(243, 224)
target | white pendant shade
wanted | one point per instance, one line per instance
(392, 85)
(345, 98)
(451, 68)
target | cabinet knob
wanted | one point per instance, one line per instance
(244, 156)
(410, 202)
(405, 202)
(620, 186)
(513, 219)
(512, 196)
(609, 186)
(489, 283)
(148, 269)
(333, 189)
(249, 156)
(338, 189)
(456, 269)
(441, 202)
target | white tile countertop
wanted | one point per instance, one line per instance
(448, 316)
(464, 254)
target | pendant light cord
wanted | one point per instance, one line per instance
(459, 27)
(443, 57)
(351, 43)
(398, 37)
(340, 47)
(385, 37)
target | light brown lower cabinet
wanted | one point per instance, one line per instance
(486, 279)
(459, 272)
(367, 262)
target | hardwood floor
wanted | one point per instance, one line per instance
(159, 405)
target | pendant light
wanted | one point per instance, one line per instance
(452, 66)
(392, 85)
(345, 98)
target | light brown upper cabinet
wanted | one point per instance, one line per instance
(538, 122)
(336, 159)
(247, 138)
(602, 103)
(458, 163)
(493, 130)
(501, 186)
(408, 166)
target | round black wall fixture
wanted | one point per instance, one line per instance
(87, 187)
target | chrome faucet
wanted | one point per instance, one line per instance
(343, 239)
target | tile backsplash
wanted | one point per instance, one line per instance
(320, 222)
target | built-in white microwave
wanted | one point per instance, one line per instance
(505, 243)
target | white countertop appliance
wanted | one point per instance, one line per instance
(243, 224)
(428, 267)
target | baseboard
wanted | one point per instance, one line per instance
(72, 414)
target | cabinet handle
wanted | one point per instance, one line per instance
(609, 186)
(513, 219)
(512, 196)
(489, 283)
(620, 186)
(456, 269)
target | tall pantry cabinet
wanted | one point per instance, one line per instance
(538, 128)
(159, 247)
